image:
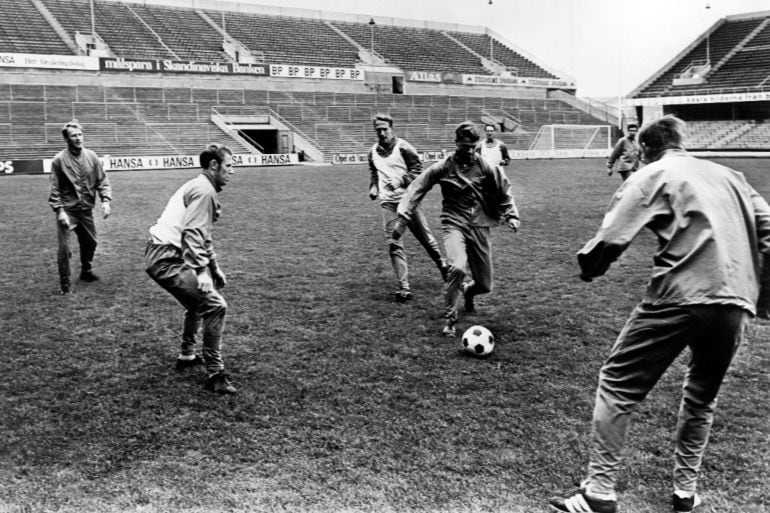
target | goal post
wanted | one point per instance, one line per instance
(572, 137)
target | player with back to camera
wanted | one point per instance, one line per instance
(77, 177)
(712, 230)
(475, 197)
(493, 149)
(393, 165)
(626, 156)
(180, 257)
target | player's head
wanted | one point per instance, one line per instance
(466, 138)
(383, 125)
(489, 131)
(660, 135)
(73, 134)
(631, 130)
(217, 159)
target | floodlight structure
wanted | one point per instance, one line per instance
(371, 30)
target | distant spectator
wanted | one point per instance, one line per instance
(712, 228)
(626, 156)
(77, 178)
(492, 149)
(393, 165)
(180, 257)
(476, 196)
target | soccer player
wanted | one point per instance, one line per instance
(626, 155)
(492, 149)
(712, 229)
(180, 257)
(393, 165)
(77, 178)
(476, 196)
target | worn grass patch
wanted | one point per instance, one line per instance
(348, 401)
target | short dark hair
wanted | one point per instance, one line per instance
(467, 130)
(381, 116)
(70, 124)
(214, 152)
(662, 134)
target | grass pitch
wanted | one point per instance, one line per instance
(348, 401)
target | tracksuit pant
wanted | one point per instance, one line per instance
(418, 225)
(466, 248)
(651, 340)
(165, 265)
(82, 223)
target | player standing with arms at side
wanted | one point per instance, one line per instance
(626, 155)
(180, 257)
(712, 228)
(492, 149)
(77, 177)
(393, 165)
(476, 196)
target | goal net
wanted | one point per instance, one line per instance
(572, 137)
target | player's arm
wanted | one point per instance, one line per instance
(374, 190)
(762, 221)
(54, 194)
(103, 186)
(506, 157)
(197, 245)
(627, 215)
(506, 204)
(614, 155)
(413, 163)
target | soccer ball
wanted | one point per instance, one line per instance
(478, 341)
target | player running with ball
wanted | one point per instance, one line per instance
(476, 196)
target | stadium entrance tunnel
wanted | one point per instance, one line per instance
(267, 140)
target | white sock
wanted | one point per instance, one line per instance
(683, 494)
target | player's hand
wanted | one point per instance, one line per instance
(63, 218)
(205, 283)
(514, 224)
(374, 192)
(398, 229)
(106, 209)
(220, 280)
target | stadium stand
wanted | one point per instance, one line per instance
(118, 25)
(173, 113)
(414, 48)
(727, 102)
(490, 48)
(25, 30)
(185, 32)
(288, 40)
(336, 122)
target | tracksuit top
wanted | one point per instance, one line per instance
(76, 180)
(186, 222)
(711, 227)
(474, 194)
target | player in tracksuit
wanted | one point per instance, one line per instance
(492, 149)
(393, 165)
(712, 230)
(626, 155)
(180, 257)
(476, 196)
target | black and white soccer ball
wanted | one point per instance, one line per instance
(478, 341)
